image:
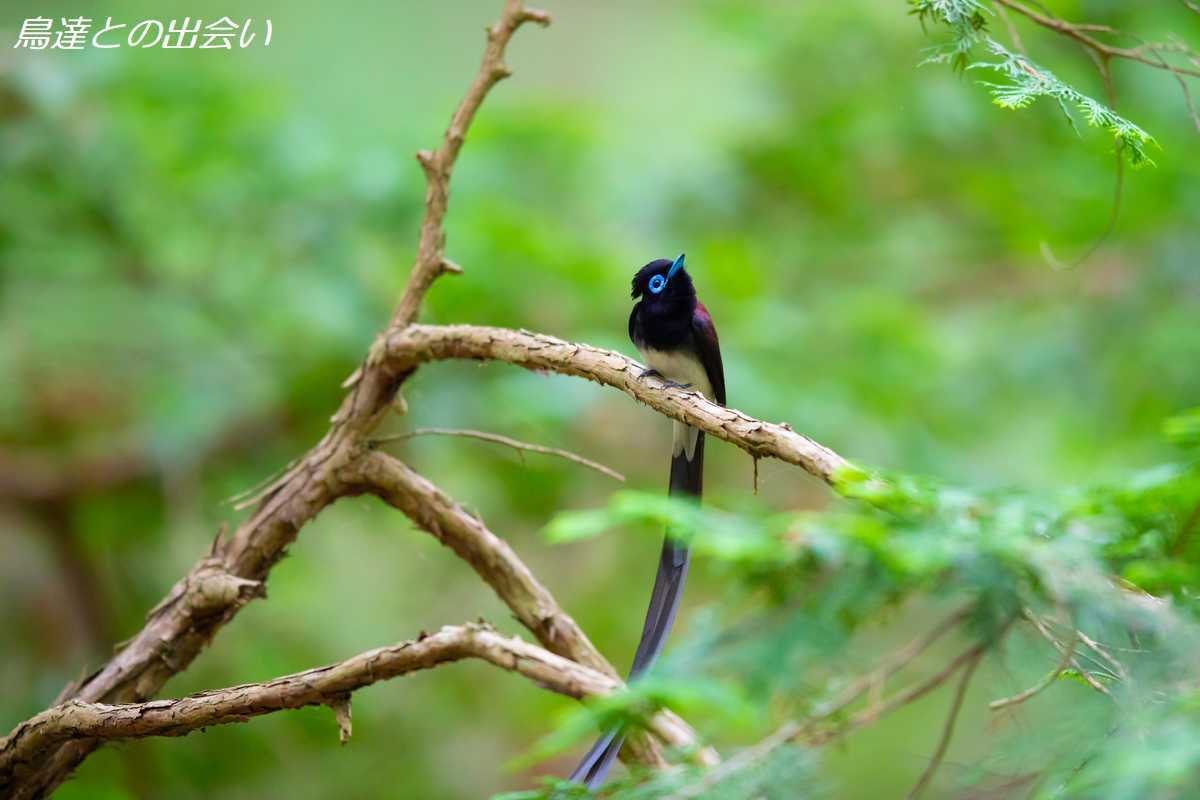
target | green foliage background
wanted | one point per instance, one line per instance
(197, 247)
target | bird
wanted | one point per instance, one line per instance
(675, 335)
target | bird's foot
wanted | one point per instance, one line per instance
(653, 373)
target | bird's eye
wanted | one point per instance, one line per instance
(657, 283)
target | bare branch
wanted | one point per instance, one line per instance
(329, 685)
(438, 164)
(416, 344)
(492, 558)
(809, 731)
(178, 630)
(1013, 34)
(896, 662)
(744, 760)
(947, 730)
(515, 444)
(1079, 32)
(1040, 626)
(1068, 654)
(1183, 84)
(871, 714)
(1100, 650)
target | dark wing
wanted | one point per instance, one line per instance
(708, 349)
(633, 324)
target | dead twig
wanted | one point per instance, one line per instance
(896, 662)
(514, 583)
(177, 632)
(329, 685)
(1068, 655)
(495, 438)
(947, 729)
(812, 734)
(1049, 636)
(1079, 32)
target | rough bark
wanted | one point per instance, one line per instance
(329, 686)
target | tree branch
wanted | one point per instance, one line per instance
(947, 730)
(495, 438)
(329, 685)
(1079, 32)
(894, 663)
(903, 698)
(342, 464)
(180, 627)
(810, 733)
(491, 557)
(433, 511)
(438, 164)
(1068, 654)
(1040, 626)
(417, 344)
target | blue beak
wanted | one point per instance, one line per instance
(675, 267)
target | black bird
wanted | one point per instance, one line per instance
(674, 333)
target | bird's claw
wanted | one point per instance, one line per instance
(653, 373)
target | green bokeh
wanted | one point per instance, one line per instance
(197, 247)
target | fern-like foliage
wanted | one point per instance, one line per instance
(1027, 81)
(965, 18)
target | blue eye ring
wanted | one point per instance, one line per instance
(657, 284)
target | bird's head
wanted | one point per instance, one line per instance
(663, 282)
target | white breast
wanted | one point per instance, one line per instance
(681, 367)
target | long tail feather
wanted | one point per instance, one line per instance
(687, 478)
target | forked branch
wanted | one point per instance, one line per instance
(406, 349)
(329, 686)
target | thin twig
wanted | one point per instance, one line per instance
(1183, 87)
(1156, 50)
(743, 760)
(810, 733)
(1068, 654)
(495, 438)
(916, 692)
(1079, 32)
(1012, 32)
(1102, 65)
(895, 662)
(947, 729)
(1087, 676)
(1100, 650)
(438, 164)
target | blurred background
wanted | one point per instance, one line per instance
(196, 247)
